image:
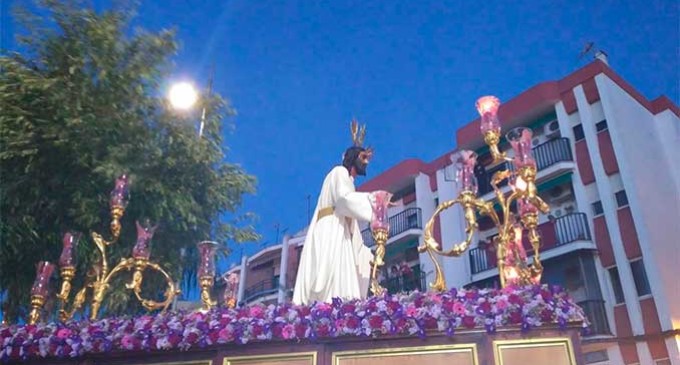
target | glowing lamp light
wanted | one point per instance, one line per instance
(182, 96)
(487, 106)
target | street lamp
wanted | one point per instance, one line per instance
(183, 96)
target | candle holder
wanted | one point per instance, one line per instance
(99, 281)
(380, 228)
(513, 265)
(206, 272)
(40, 290)
(231, 290)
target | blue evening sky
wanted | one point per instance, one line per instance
(298, 71)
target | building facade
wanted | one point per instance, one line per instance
(604, 155)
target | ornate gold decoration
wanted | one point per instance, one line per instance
(492, 138)
(380, 237)
(512, 261)
(464, 353)
(206, 283)
(358, 133)
(99, 278)
(37, 302)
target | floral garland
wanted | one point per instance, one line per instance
(413, 314)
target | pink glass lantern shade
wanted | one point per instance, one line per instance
(70, 241)
(520, 139)
(524, 207)
(487, 107)
(142, 249)
(120, 195)
(380, 201)
(206, 251)
(42, 279)
(465, 165)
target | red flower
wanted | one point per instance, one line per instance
(353, 322)
(546, 315)
(514, 299)
(300, 330)
(256, 330)
(347, 308)
(303, 311)
(323, 330)
(515, 317)
(430, 323)
(192, 337)
(484, 308)
(375, 322)
(469, 322)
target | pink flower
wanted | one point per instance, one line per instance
(63, 333)
(127, 342)
(288, 331)
(226, 334)
(501, 304)
(256, 311)
(458, 308)
(411, 310)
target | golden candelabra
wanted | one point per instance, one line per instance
(513, 265)
(100, 282)
(380, 237)
(380, 228)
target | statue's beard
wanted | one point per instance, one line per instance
(360, 168)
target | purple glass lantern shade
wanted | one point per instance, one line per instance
(120, 195)
(206, 251)
(380, 201)
(487, 107)
(142, 249)
(70, 241)
(466, 171)
(520, 139)
(42, 279)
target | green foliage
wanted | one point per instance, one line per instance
(81, 105)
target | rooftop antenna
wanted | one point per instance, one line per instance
(587, 48)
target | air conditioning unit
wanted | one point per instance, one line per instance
(535, 142)
(552, 129)
(569, 208)
(557, 213)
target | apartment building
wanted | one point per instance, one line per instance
(604, 155)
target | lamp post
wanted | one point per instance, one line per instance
(513, 266)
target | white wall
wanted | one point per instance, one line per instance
(456, 269)
(425, 201)
(648, 176)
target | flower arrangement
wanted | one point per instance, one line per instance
(414, 314)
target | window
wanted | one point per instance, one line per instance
(601, 126)
(596, 356)
(597, 208)
(578, 133)
(621, 199)
(616, 285)
(640, 278)
(663, 362)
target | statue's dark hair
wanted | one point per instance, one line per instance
(350, 156)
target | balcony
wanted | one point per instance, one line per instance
(411, 218)
(405, 283)
(260, 289)
(546, 154)
(597, 316)
(566, 229)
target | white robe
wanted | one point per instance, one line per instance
(334, 260)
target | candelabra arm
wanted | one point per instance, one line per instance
(380, 237)
(207, 282)
(470, 205)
